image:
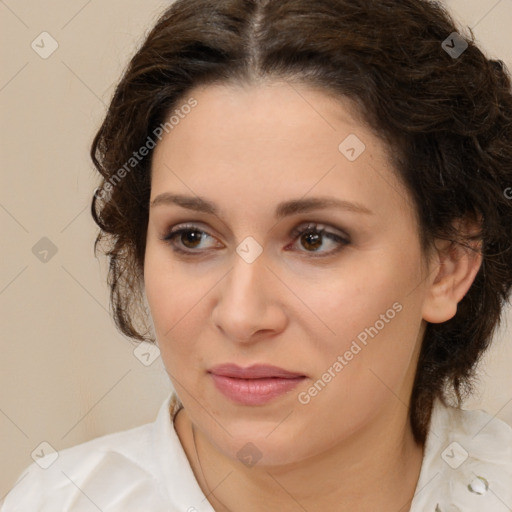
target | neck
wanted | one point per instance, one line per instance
(375, 469)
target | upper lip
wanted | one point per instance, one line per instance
(256, 371)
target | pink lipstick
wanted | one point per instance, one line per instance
(255, 385)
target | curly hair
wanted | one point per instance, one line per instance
(448, 118)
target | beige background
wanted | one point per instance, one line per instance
(66, 374)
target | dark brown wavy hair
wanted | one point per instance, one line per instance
(448, 118)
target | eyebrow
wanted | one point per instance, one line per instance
(284, 209)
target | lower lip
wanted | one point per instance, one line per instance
(254, 391)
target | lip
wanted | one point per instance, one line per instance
(256, 371)
(255, 385)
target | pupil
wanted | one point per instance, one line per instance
(191, 235)
(315, 237)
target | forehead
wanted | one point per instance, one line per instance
(273, 141)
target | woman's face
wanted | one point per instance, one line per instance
(342, 309)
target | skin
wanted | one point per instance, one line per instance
(350, 447)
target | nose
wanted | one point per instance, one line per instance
(249, 304)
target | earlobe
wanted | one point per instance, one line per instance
(454, 271)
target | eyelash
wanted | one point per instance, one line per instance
(296, 234)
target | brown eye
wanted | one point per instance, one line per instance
(190, 237)
(187, 239)
(186, 236)
(312, 239)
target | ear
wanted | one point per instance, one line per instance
(454, 270)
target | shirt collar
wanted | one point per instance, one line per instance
(179, 482)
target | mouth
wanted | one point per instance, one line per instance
(255, 385)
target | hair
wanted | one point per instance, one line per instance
(448, 119)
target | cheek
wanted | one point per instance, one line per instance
(365, 294)
(374, 316)
(164, 291)
(176, 300)
(369, 367)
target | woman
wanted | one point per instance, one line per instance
(314, 201)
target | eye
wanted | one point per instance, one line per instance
(189, 235)
(312, 238)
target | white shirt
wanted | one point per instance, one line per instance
(146, 469)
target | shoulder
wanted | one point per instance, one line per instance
(100, 474)
(467, 462)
